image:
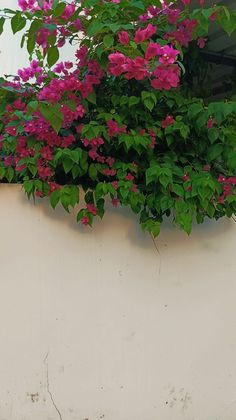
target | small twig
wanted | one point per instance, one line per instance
(155, 245)
(48, 388)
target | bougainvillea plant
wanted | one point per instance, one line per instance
(117, 121)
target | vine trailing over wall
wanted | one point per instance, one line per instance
(118, 121)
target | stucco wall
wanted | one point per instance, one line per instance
(97, 324)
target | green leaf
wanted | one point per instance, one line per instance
(178, 189)
(9, 174)
(138, 5)
(114, 27)
(152, 226)
(214, 152)
(149, 104)
(52, 56)
(92, 97)
(2, 21)
(55, 198)
(59, 9)
(93, 171)
(18, 22)
(213, 134)
(194, 109)
(133, 100)
(52, 114)
(31, 41)
(152, 174)
(108, 41)
(231, 161)
(94, 27)
(67, 165)
(166, 203)
(55, 3)
(32, 106)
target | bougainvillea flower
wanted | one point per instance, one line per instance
(123, 37)
(117, 62)
(91, 209)
(152, 50)
(210, 123)
(167, 121)
(168, 55)
(143, 34)
(201, 42)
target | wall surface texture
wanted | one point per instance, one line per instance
(101, 324)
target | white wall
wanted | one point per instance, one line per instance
(100, 325)
(110, 327)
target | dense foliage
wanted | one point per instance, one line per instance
(120, 121)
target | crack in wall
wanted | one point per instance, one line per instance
(48, 388)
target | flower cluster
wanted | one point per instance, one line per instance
(158, 64)
(120, 120)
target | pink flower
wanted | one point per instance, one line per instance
(85, 220)
(184, 32)
(154, 10)
(93, 153)
(152, 50)
(222, 179)
(109, 172)
(23, 5)
(186, 2)
(117, 62)
(123, 37)
(210, 123)
(189, 188)
(221, 199)
(136, 68)
(26, 5)
(92, 209)
(39, 194)
(46, 153)
(115, 185)
(166, 77)
(53, 187)
(115, 202)
(201, 42)
(81, 55)
(68, 140)
(129, 177)
(44, 172)
(144, 17)
(68, 11)
(185, 177)
(201, 2)
(232, 180)
(77, 24)
(11, 130)
(110, 161)
(8, 161)
(168, 55)
(207, 168)
(113, 128)
(134, 188)
(143, 34)
(168, 121)
(173, 15)
(213, 16)
(227, 190)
